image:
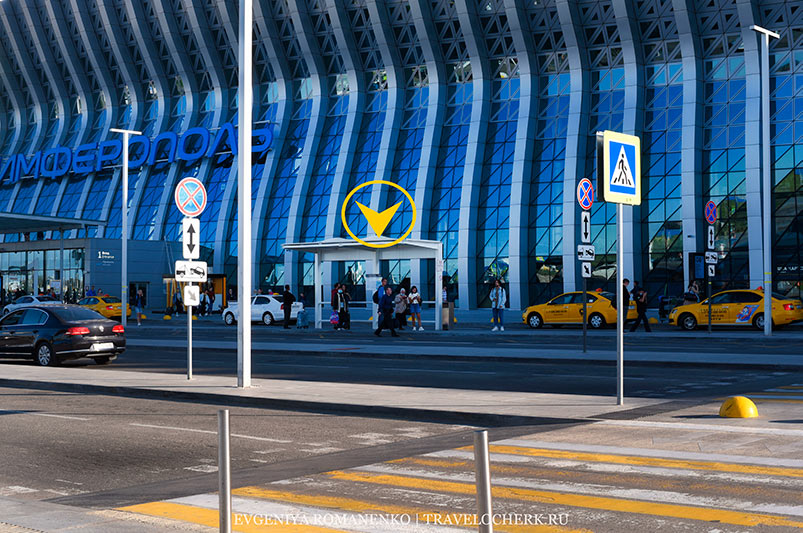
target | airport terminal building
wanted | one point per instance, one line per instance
(485, 111)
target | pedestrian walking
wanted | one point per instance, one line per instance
(177, 303)
(498, 300)
(288, 299)
(663, 313)
(343, 314)
(640, 296)
(386, 313)
(139, 306)
(400, 308)
(204, 303)
(415, 306)
(211, 305)
(692, 294)
(302, 321)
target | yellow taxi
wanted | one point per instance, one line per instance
(737, 308)
(567, 308)
(108, 306)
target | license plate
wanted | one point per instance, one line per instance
(102, 346)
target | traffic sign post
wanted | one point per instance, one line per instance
(710, 216)
(619, 182)
(192, 298)
(585, 251)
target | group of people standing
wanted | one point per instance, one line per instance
(393, 310)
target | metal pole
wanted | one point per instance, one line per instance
(585, 314)
(623, 305)
(61, 263)
(245, 109)
(124, 234)
(765, 169)
(482, 466)
(189, 341)
(708, 279)
(224, 470)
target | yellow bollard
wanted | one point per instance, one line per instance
(194, 317)
(738, 407)
(167, 317)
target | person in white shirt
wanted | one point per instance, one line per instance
(498, 300)
(415, 306)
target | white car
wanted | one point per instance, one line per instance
(27, 301)
(264, 308)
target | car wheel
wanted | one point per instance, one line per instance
(43, 355)
(228, 319)
(535, 321)
(596, 321)
(758, 321)
(105, 360)
(267, 319)
(688, 322)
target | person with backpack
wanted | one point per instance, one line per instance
(640, 296)
(386, 313)
(288, 299)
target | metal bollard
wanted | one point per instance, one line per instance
(482, 466)
(224, 470)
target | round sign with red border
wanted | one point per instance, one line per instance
(191, 197)
(585, 193)
(711, 212)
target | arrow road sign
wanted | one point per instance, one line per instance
(585, 226)
(192, 295)
(192, 232)
(711, 258)
(191, 271)
(585, 252)
(711, 237)
(586, 269)
(712, 271)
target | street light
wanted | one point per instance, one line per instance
(766, 215)
(124, 254)
(245, 110)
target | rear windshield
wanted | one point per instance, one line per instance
(73, 314)
(111, 300)
(608, 295)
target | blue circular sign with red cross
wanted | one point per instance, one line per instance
(585, 193)
(191, 197)
(711, 212)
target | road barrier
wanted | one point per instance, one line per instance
(224, 470)
(482, 475)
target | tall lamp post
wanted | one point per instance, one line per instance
(766, 209)
(124, 253)
(245, 110)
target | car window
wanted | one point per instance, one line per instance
(13, 319)
(47, 299)
(33, 317)
(24, 300)
(261, 300)
(721, 298)
(744, 297)
(73, 314)
(578, 298)
(83, 301)
(111, 300)
(562, 299)
(91, 301)
(278, 297)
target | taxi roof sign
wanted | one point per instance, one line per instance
(619, 160)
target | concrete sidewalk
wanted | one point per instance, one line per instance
(23, 516)
(423, 403)
(355, 347)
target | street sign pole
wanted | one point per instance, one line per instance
(189, 342)
(124, 236)
(623, 305)
(708, 279)
(245, 109)
(585, 315)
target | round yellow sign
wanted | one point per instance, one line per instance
(378, 221)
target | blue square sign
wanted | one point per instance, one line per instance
(621, 164)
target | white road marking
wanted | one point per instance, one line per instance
(15, 489)
(208, 432)
(60, 416)
(663, 496)
(204, 469)
(704, 427)
(425, 370)
(372, 439)
(649, 452)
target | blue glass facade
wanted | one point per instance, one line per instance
(399, 90)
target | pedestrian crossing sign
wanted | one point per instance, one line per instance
(621, 168)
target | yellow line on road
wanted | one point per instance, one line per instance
(358, 506)
(685, 512)
(209, 517)
(646, 461)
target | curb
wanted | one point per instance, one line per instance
(377, 411)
